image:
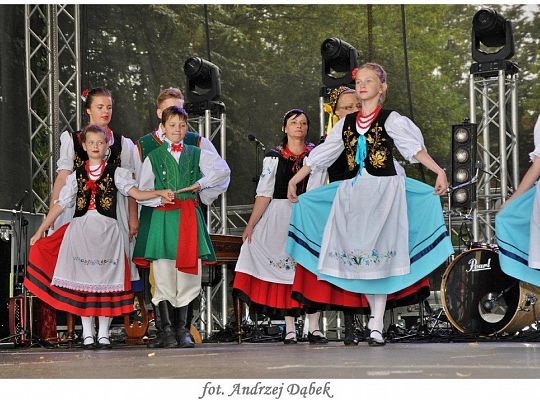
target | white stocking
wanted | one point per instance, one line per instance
(88, 329)
(290, 329)
(313, 320)
(104, 328)
(377, 305)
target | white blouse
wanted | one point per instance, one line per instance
(406, 135)
(536, 152)
(122, 178)
(267, 180)
(215, 180)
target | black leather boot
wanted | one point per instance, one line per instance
(158, 341)
(166, 325)
(350, 337)
(182, 334)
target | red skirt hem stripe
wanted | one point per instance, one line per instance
(268, 294)
(308, 290)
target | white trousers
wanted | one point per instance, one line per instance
(178, 288)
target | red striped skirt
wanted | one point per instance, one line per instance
(41, 265)
(322, 295)
(268, 298)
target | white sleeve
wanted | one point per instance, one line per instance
(68, 193)
(536, 152)
(67, 152)
(129, 158)
(207, 145)
(324, 155)
(406, 135)
(216, 176)
(267, 180)
(146, 182)
(124, 181)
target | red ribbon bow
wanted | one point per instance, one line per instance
(176, 147)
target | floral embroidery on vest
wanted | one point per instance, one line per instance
(350, 147)
(106, 187)
(378, 153)
(81, 200)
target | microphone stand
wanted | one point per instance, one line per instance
(258, 151)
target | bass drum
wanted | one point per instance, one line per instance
(479, 298)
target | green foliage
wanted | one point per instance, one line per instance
(270, 60)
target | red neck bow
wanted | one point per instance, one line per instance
(176, 147)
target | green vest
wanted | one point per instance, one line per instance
(162, 241)
(147, 144)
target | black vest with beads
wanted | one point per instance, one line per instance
(105, 200)
(379, 160)
(286, 169)
(115, 150)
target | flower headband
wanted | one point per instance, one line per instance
(84, 94)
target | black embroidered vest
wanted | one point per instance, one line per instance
(105, 200)
(286, 169)
(81, 156)
(379, 160)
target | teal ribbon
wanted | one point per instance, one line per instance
(361, 153)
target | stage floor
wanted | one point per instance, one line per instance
(275, 360)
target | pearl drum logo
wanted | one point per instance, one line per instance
(474, 266)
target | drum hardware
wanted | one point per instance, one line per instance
(479, 298)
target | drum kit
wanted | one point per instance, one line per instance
(479, 298)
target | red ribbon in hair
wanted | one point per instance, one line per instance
(187, 248)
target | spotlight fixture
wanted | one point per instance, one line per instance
(203, 85)
(463, 164)
(339, 58)
(492, 31)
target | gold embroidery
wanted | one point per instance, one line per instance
(378, 152)
(105, 186)
(81, 201)
(350, 150)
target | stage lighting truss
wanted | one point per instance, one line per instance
(492, 38)
(463, 165)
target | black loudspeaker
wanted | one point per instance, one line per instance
(463, 164)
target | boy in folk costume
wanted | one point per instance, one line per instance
(177, 237)
(147, 143)
(82, 268)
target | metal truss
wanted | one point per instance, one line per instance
(52, 45)
(494, 98)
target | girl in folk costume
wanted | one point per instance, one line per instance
(82, 268)
(517, 225)
(264, 271)
(177, 236)
(344, 101)
(376, 232)
(98, 103)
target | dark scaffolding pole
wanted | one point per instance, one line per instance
(408, 77)
(207, 29)
(370, 32)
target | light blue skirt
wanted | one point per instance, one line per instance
(429, 243)
(512, 227)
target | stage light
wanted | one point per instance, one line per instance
(5, 232)
(203, 85)
(339, 58)
(463, 164)
(494, 32)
